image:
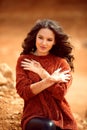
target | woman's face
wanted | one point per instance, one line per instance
(45, 40)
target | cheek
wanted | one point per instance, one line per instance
(38, 41)
(50, 47)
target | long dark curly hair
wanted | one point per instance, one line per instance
(62, 47)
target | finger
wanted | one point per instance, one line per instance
(66, 71)
(26, 63)
(23, 65)
(27, 60)
(68, 78)
(59, 69)
(65, 81)
(31, 61)
(35, 62)
(67, 75)
(27, 68)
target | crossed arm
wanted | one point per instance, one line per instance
(47, 79)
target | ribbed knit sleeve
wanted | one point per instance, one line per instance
(23, 82)
(59, 90)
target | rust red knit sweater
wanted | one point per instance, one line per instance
(51, 102)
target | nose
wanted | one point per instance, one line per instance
(44, 42)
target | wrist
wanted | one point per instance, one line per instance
(44, 74)
(54, 78)
(51, 79)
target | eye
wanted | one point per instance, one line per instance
(49, 39)
(40, 37)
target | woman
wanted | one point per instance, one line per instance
(43, 75)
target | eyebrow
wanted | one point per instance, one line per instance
(43, 36)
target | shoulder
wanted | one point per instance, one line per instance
(60, 59)
(64, 64)
(22, 57)
(61, 62)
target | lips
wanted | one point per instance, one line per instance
(42, 47)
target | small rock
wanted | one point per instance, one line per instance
(6, 76)
(2, 79)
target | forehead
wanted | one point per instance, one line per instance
(46, 32)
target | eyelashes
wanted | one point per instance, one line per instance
(49, 39)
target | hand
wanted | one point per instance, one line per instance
(31, 65)
(59, 76)
(34, 66)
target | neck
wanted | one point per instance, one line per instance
(40, 54)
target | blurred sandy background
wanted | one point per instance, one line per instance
(18, 16)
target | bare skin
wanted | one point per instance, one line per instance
(47, 79)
